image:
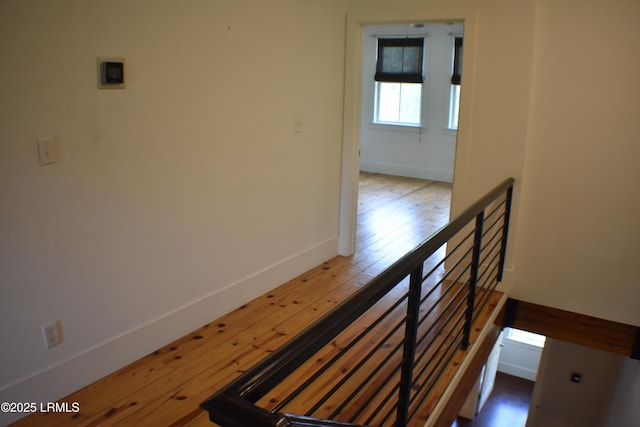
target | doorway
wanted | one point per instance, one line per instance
(421, 149)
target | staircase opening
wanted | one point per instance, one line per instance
(504, 390)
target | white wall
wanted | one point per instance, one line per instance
(494, 110)
(133, 238)
(544, 100)
(559, 402)
(427, 152)
(579, 226)
(169, 202)
(518, 358)
(624, 410)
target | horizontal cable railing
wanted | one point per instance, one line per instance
(380, 355)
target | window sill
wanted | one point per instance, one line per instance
(396, 127)
(450, 131)
(524, 337)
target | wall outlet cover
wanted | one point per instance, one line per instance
(52, 334)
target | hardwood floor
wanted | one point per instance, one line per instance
(507, 406)
(166, 386)
(396, 214)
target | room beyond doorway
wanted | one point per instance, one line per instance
(409, 122)
(352, 160)
(395, 213)
(429, 155)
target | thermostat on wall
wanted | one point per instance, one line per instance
(111, 73)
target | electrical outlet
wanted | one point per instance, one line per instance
(52, 334)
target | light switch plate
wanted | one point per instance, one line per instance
(48, 150)
(52, 334)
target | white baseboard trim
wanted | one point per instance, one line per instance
(408, 171)
(55, 382)
(517, 371)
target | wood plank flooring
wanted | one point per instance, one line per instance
(507, 406)
(166, 387)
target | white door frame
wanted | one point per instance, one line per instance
(351, 139)
(356, 20)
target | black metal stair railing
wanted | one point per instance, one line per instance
(377, 356)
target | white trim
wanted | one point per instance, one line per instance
(61, 379)
(352, 101)
(396, 127)
(517, 371)
(398, 36)
(351, 137)
(408, 171)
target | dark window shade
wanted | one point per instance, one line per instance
(457, 61)
(400, 60)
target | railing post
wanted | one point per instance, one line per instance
(505, 231)
(473, 279)
(410, 338)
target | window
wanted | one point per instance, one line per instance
(525, 337)
(398, 103)
(456, 78)
(454, 106)
(399, 78)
